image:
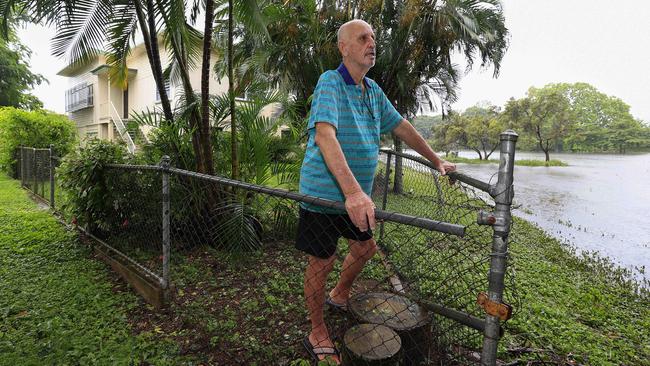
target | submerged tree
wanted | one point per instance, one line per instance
(476, 129)
(544, 114)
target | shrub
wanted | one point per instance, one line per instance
(100, 196)
(34, 129)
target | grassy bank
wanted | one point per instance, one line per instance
(574, 307)
(522, 162)
(58, 305)
(64, 308)
(568, 307)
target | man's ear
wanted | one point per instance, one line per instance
(343, 49)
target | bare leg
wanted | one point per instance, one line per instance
(360, 253)
(315, 280)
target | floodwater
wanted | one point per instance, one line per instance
(600, 202)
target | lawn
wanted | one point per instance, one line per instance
(65, 307)
(58, 304)
(568, 307)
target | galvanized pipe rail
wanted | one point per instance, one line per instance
(476, 183)
(501, 220)
(424, 223)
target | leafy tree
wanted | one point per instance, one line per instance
(426, 124)
(15, 77)
(38, 129)
(576, 117)
(445, 134)
(483, 129)
(415, 41)
(602, 122)
(476, 129)
(544, 114)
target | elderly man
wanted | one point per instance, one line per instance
(348, 114)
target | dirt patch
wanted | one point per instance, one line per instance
(230, 311)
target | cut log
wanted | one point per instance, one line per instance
(371, 345)
(410, 321)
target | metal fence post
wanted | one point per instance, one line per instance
(165, 222)
(34, 171)
(384, 199)
(503, 193)
(22, 167)
(52, 177)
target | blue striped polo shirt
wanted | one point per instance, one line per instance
(359, 121)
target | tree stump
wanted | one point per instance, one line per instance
(371, 345)
(410, 321)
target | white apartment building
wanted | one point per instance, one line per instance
(102, 110)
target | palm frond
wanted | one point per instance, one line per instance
(121, 33)
(81, 33)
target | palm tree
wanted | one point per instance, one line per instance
(86, 28)
(415, 42)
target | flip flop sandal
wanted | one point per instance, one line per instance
(336, 305)
(314, 352)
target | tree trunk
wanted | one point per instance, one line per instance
(491, 151)
(371, 345)
(151, 45)
(541, 145)
(231, 93)
(206, 142)
(410, 321)
(194, 118)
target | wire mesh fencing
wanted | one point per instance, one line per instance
(428, 287)
(35, 168)
(445, 274)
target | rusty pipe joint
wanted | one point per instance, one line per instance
(486, 218)
(493, 219)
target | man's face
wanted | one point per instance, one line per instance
(359, 45)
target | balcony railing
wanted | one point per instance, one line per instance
(79, 97)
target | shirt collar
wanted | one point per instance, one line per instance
(348, 78)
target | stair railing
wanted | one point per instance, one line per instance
(121, 128)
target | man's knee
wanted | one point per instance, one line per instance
(324, 265)
(363, 250)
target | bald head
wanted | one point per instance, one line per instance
(356, 42)
(347, 29)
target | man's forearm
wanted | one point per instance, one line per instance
(407, 133)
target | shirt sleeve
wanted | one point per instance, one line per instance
(325, 104)
(390, 117)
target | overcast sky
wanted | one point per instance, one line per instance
(602, 42)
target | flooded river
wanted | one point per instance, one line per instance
(598, 203)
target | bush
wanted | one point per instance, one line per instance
(34, 129)
(100, 196)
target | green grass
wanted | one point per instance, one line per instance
(60, 308)
(579, 305)
(567, 307)
(57, 305)
(522, 162)
(530, 162)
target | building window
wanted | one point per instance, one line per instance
(167, 90)
(79, 97)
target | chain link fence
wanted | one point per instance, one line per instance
(223, 254)
(35, 168)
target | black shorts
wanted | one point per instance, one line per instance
(318, 233)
